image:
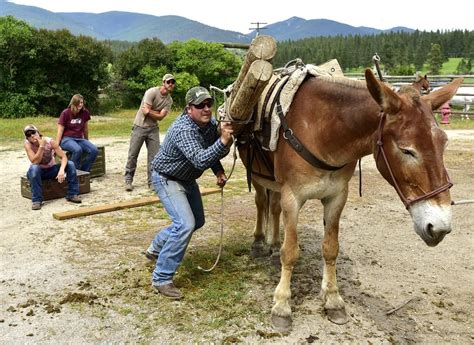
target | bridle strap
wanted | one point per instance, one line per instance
(406, 201)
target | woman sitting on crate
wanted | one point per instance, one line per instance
(41, 153)
(73, 134)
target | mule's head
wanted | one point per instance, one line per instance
(422, 83)
(409, 154)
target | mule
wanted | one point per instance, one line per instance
(339, 121)
(422, 84)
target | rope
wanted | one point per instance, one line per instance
(222, 235)
(222, 215)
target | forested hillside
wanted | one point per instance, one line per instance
(41, 69)
(401, 53)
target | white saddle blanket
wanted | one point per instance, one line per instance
(330, 68)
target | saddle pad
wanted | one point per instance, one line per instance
(267, 122)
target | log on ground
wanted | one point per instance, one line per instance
(118, 206)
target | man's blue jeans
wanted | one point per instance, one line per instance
(36, 175)
(182, 201)
(78, 146)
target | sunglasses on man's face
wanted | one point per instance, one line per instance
(203, 104)
(171, 82)
(30, 133)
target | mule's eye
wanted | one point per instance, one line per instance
(408, 152)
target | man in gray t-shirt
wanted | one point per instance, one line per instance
(156, 104)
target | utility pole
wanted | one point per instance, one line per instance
(258, 28)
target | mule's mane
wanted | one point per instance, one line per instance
(411, 92)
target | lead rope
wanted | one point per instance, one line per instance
(222, 235)
(222, 215)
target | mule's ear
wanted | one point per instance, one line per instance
(437, 98)
(382, 94)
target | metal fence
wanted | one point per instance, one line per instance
(461, 102)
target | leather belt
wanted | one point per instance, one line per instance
(169, 177)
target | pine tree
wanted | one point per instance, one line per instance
(435, 59)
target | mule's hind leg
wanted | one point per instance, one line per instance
(262, 203)
(281, 311)
(333, 303)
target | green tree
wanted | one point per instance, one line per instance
(150, 52)
(435, 59)
(68, 65)
(209, 62)
(17, 53)
(138, 68)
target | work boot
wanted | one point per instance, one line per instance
(36, 205)
(150, 256)
(169, 291)
(128, 186)
(75, 199)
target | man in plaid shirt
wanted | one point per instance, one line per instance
(192, 145)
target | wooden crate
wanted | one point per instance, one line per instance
(52, 189)
(98, 167)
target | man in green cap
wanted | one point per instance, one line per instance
(192, 145)
(156, 104)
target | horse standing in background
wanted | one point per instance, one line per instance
(338, 121)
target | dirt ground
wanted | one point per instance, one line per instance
(46, 264)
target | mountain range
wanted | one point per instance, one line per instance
(128, 26)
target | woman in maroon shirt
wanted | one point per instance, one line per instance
(73, 133)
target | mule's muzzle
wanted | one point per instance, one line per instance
(433, 236)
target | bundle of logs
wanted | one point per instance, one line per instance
(254, 75)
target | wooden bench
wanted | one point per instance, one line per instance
(98, 167)
(52, 189)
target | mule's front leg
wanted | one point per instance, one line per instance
(281, 311)
(262, 203)
(333, 303)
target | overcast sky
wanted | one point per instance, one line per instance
(238, 15)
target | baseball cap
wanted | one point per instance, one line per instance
(168, 76)
(29, 128)
(197, 94)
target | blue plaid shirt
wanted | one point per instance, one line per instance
(188, 150)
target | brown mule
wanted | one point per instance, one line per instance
(339, 121)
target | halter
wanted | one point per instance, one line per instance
(406, 201)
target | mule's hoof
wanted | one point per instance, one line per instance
(338, 316)
(282, 323)
(275, 260)
(258, 251)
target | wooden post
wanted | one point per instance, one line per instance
(118, 206)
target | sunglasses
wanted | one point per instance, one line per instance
(30, 133)
(204, 104)
(171, 81)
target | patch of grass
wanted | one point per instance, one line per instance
(118, 124)
(236, 296)
(455, 122)
(448, 67)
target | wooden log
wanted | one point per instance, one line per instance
(118, 206)
(263, 47)
(236, 45)
(257, 77)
